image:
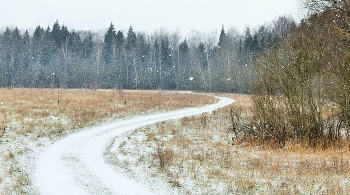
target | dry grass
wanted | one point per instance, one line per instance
(204, 160)
(35, 109)
(34, 117)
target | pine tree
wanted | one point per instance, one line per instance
(142, 48)
(202, 57)
(183, 47)
(255, 44)
(121, 64)
(75, 44)
(222, 38)
(157, 65)
(248, 41)
(64, 43)
(64, 37)
(26, 50)
(87, 45)
(16, 59)
(166, 54)
(120, 40)
(130, 39)
(7, 67)
(38, 37)
(184, 71)
(56, 35)
(48, 47)
(109, 45)
(167, 65)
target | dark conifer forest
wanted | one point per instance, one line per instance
(57, 57)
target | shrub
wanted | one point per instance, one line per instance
(165, 157)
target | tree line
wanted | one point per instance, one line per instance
(59, 58)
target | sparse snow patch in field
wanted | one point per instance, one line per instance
(54, 118)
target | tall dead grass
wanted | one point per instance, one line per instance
(28, 117)
(48, 112)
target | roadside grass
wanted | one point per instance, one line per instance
(196, 155)
(33, 118)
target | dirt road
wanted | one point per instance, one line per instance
(76, 165)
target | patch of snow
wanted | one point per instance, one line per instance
(54, 118)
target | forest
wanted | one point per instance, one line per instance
(61, 58)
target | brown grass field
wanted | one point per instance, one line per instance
(196, 155)
(33, 118)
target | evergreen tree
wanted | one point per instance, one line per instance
(168, 79)
(130, 39)
(17, 46)
(202, 56)
(166, 59)
(248, 43)
(255, 44)
(38, 36)
(120, 40)
(64, 33)
(75, 44)
(122, 74)
(57, 35)
(131, 59)
(109, 45)
(184, 70)
(222, 38)
(26, 50)
(7, 67)
(16, 56)
(64, 37)
(87, 45)
(157, 65)
(48, 47)
(184, 48)
(64, 47)
(142, 48)
(38, 33)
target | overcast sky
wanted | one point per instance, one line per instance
(145, 15)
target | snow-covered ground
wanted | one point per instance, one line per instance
(76, 164)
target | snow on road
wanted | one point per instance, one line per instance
(76, 165)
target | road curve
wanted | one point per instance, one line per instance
(76, 165)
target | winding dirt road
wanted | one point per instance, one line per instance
(76, 165)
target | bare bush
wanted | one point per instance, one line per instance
(165, 157)
(300, 81)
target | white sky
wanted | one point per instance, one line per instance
(145, 15)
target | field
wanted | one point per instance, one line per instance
(197, 155)
(194, 155)
(31, 119)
